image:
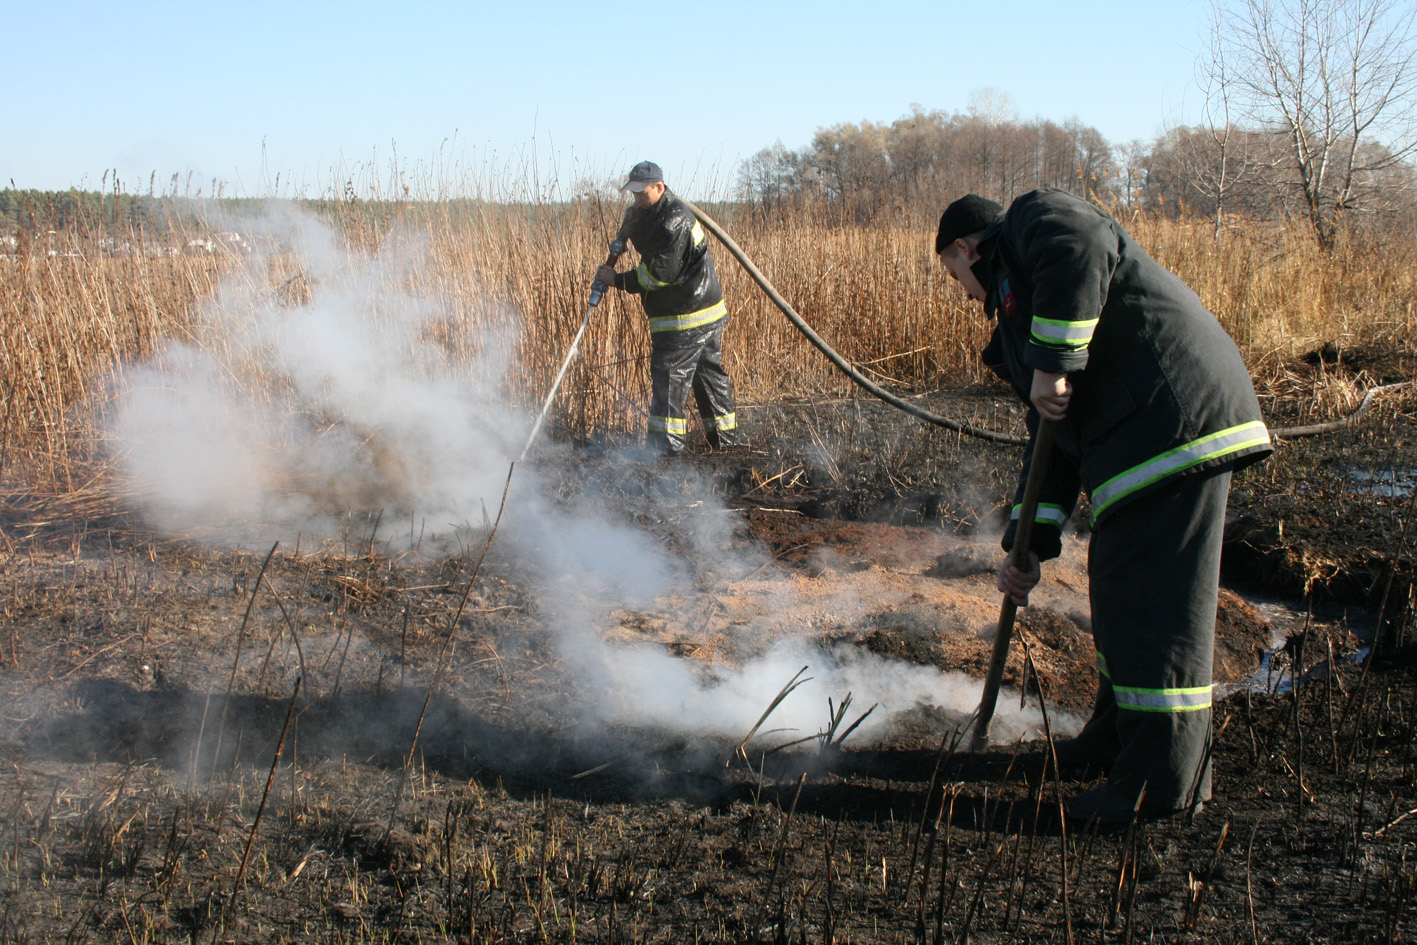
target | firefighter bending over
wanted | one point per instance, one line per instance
(1154, 409)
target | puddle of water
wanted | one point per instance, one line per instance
(1287, 619)
(1387, 483)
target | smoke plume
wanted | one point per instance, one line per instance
(311, 391)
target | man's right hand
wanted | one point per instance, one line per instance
(605, 274)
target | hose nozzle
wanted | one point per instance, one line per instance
(598, 287)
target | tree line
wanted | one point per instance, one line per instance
(1309, 114)
(901, 172)
(36, 211)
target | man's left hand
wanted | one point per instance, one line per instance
(605, 274)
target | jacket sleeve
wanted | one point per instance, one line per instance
(629, 226)
(1068, 252)
(1055, 503)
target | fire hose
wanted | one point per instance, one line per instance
(841, 363)
(617, 247)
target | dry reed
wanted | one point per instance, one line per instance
(518, 275)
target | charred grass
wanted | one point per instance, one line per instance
(209, 746)
(176, 810)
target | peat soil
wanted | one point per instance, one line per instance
(362, 742)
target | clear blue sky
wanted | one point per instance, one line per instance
(315, 91)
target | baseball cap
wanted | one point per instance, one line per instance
(642, 175)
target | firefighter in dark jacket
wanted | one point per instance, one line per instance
(677, 282)
(1154, 409)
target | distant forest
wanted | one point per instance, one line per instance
(908, 169)
(904, 172)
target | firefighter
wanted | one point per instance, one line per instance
(1154, 409)
(679, 287)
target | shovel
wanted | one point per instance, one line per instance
(1023, 537)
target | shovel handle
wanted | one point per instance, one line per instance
(1023, 537)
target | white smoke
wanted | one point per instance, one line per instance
(296, 405)
(301, 401)
(680, 696)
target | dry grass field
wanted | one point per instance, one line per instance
(518, 278)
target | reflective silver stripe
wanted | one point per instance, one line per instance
(1191, 454)
(668, 425)
(1190, 699)
(703, 316)
(1059, 332)
(1102, 666)
(648, 282)
(697, 232)
(728, 421)
(1049, 513)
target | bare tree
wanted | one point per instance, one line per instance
(852, 165)
(768, 178)
(992, 106)
(1224, 158)
(1328, 78)
(1133, 171)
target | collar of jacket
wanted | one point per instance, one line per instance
(984, 266)
(661, 206)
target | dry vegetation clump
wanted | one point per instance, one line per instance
(70, 322)
(1280, 296)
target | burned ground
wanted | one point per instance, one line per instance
(350, 743)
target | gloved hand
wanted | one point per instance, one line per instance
(605, 274)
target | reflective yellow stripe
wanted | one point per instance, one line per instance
(697, 232)
(1049, 513)
(668, 425)
(1102, 666)
(1189, 699)
(648, 282)
(728, 421)
(703, 316)
(1224, 443)
(1062, 333)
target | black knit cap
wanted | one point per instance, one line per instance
(969, 214)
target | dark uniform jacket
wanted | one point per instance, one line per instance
(675, 277)
(1159, 388)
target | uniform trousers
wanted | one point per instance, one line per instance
(1154, 573)
(685, 361)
